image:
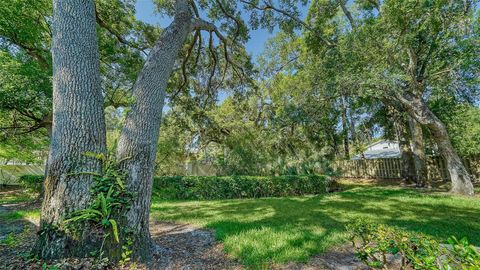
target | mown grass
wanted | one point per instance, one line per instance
(16, 197)
(276, 230)
(261, 231)
(32, 214)
(12, 197)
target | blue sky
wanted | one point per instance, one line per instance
(145, 11)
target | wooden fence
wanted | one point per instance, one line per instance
(391, 168)
(9, 174)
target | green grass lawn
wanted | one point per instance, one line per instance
(20, 214)
(261, 231)
(16, 197)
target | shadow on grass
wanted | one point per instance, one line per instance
(261, 231)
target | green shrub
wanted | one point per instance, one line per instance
(374, 242)
(229, 187)
(32, 182)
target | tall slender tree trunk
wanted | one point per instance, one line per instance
(416, 107)
(78, 127)
(48, 126)
(418, 149)
(140, 132)
(408, 166)
(345, 127)
(46, 123)
(353, 132)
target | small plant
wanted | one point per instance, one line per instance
(46, 267)
(111, 199)
(126, 249)
(10, 240)
(464, 254)
(373, 242)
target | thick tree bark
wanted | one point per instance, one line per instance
(419, 157)
(416, 107)
(139, 136)
(78, 127)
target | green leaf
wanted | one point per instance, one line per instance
(103, 203)
(109, 193)
(120, 182)
(114, 229)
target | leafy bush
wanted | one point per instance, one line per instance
(374, 242)
(229, 187)
(32, 182)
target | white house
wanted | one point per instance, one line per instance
(380, 149)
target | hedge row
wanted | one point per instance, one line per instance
(229, 187)
(32, 182)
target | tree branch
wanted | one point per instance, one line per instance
(214, 56)
(119, 37)
(199, 24)
(376, 4)
(347, 13)
(196, 37)
(237, 21)
(32, 51)
(268, 6)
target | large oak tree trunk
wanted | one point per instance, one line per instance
(419, 157)
(78, 127)
(416, 107)
(138, 140)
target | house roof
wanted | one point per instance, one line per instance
(380, 153)
(384, 153)
(382, 141)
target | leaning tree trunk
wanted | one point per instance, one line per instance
(78, 127)
(137, 144)
(459, 176)
(419, 157)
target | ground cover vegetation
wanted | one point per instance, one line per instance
(261, 232)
